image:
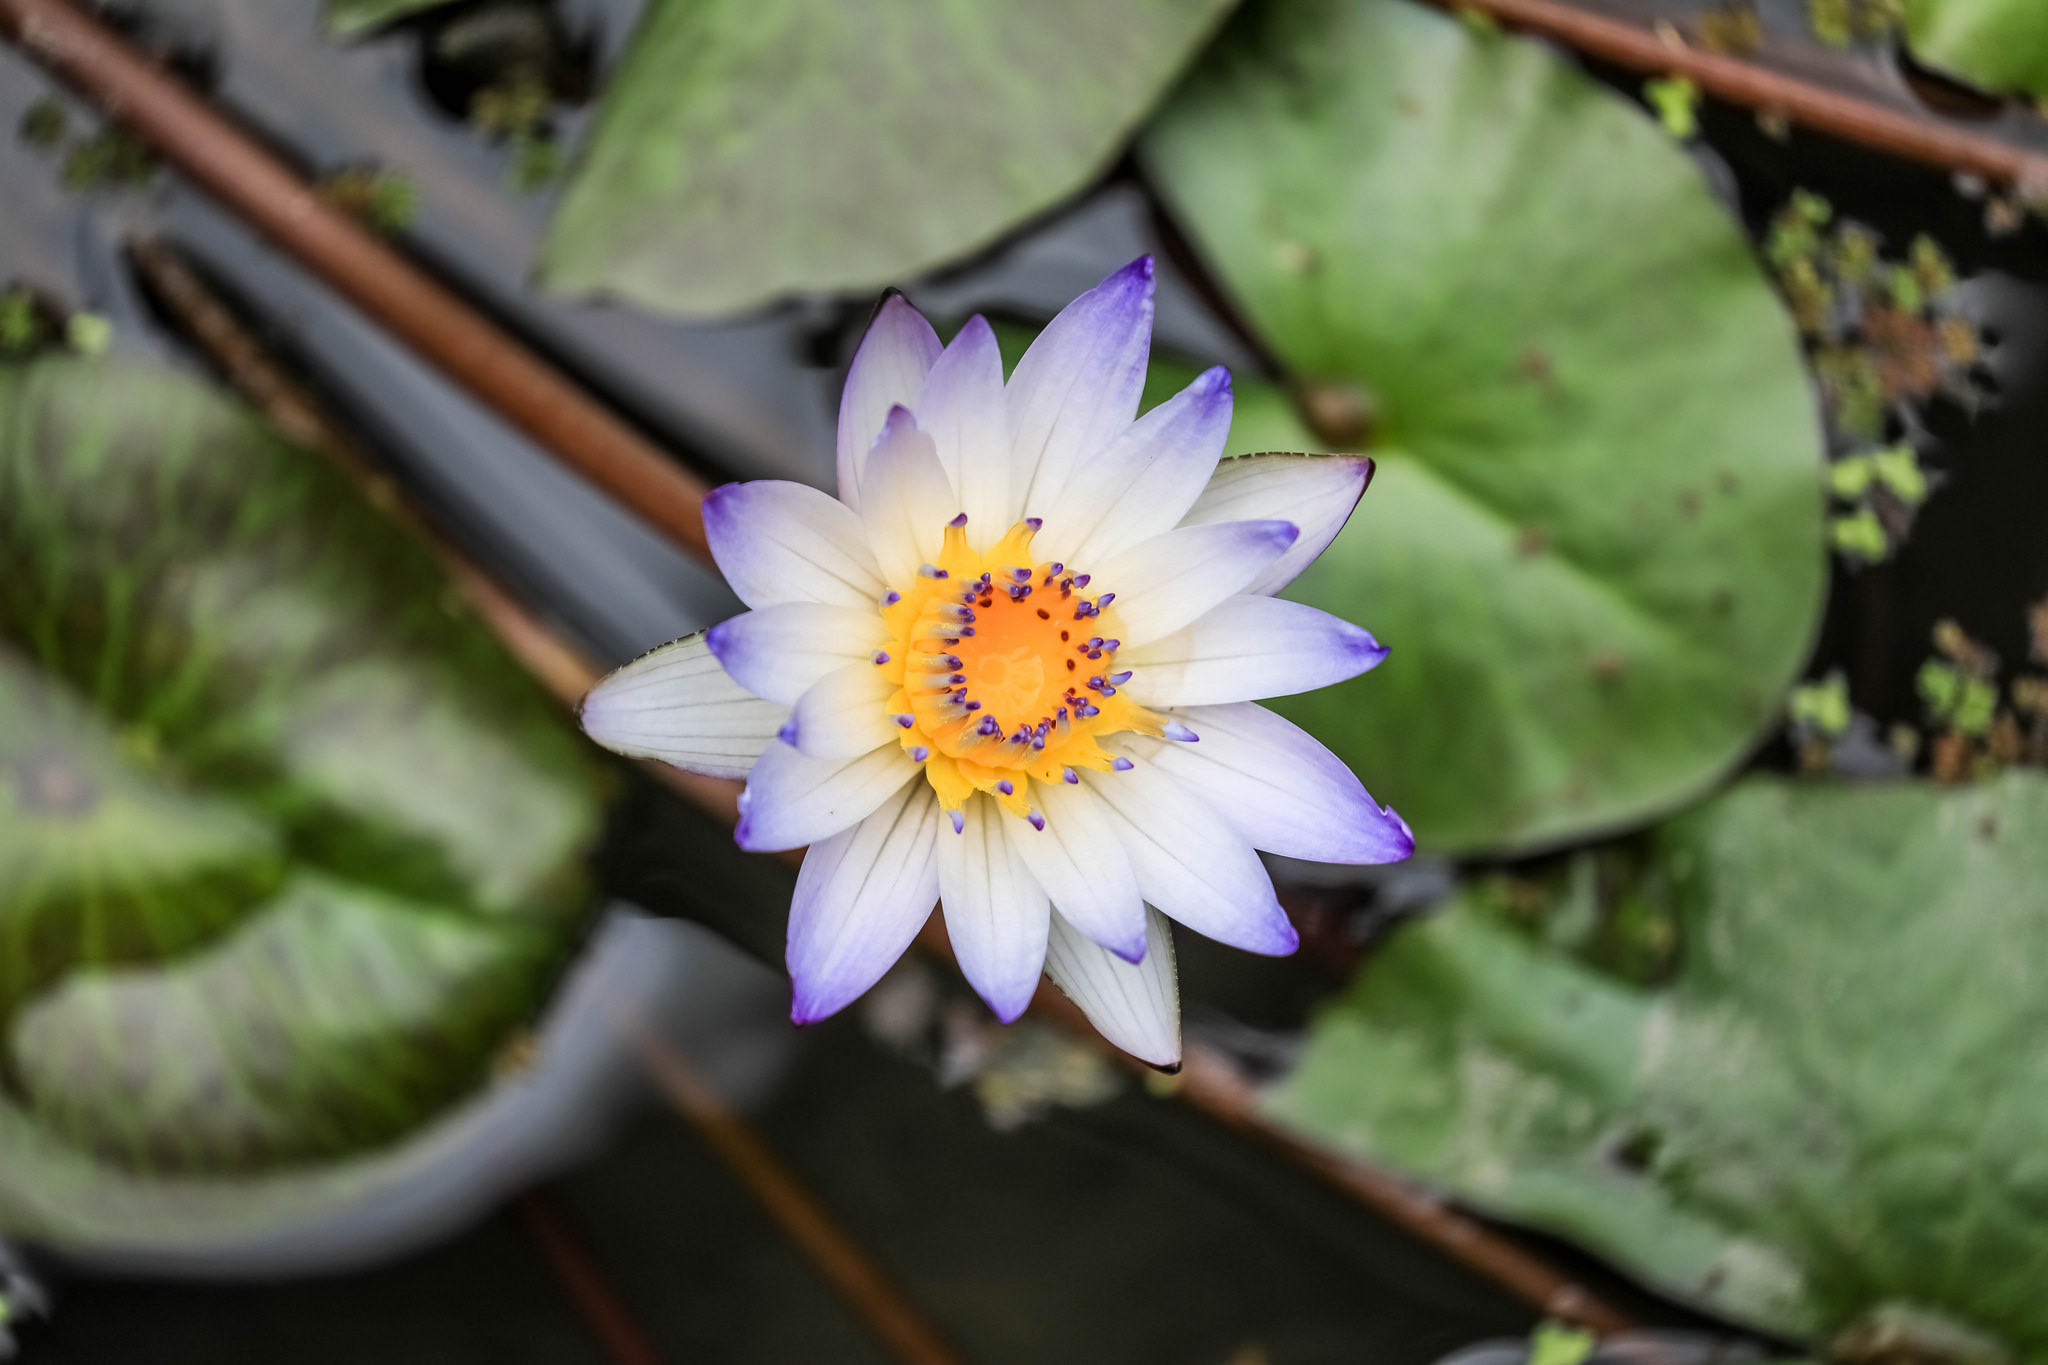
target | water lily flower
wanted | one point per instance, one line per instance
(1014, 668)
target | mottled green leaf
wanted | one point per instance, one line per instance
(1839, 1103)
(288, 846)
(750, 148)
(1594, 545)
(2000, 45)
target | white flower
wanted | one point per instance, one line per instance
(1013, 667)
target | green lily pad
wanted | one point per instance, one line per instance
(346, 18)
(747, 149)
(1834, 1111)
(1594, 544)
(1999, 45)
(288, 846)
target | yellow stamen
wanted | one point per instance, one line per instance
(1007, 668)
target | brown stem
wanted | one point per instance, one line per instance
(1212, 1084)
(860, 1283)
(247, 365)
(189, 134)
(584, 1280)
(1746, 83)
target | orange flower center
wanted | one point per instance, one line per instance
(1008, 671)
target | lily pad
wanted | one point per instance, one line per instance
(1594, 544)
(288, 846)
(1999, 45)
(1834, 1111)
(748, 149)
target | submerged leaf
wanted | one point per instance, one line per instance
(1596, 569)
(287, 845)
(346, 18)
(748, 149)
(1837, 1105)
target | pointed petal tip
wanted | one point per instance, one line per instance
(1009, 1012)
(1142, 270)
(899, 420)
(1171, 1068)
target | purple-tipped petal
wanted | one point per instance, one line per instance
(905, 499)
(964, 409)
(784, 542)
(1281, 788)
(1315, 492)
(793, 799)
(844, 714)
(861, 898)
(1081, 864)
(1251, 647)
(1172, 579)
(889, 368)
(1134, 1005)
(678, 705)
(1194, 866)
(996, 913)
(778, 652)
(1077, 387)
(1145, 483)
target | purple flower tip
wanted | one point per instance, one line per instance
(1037, 820)
(1123, 765)
(960, 520)
(1033, 522)
(787, 734)
(906, 720)
(919, 753)
(959, 818)
(881, 657)
(891, 598)
(1175, 730)
(1006, 788)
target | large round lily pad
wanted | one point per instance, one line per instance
(2001, 45)
(288, 846)
(1594, 545)
(747, 149)
(1839, 1104)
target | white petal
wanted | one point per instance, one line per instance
(1080, 862)
(785, 542)
(1134, 1005)
(1245, 648)
(1193, 865)
(1145, 482)
(1277, 786)
(861, 898)
(792, 799)
(1077, 387)
(1315, 492)
(889, 368)
(1170, 580)
(844, 714)
(676, 704)
(996, 913)
(905, 499)
(964, 409)
(777, 652)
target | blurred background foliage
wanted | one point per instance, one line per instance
(1720, 960)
